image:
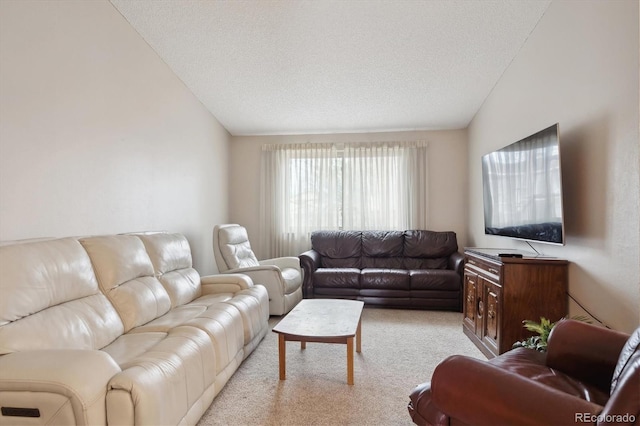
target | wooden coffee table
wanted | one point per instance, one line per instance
(323, 321)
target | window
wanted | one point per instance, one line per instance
(311, 187)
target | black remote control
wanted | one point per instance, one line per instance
(517, 255)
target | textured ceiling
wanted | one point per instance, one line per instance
(301, 67)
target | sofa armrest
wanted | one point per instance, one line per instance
(309, 261)
(584, 351)
(44, 380)
(225, 283)
(259, 268)
(282, 262)
(269, 276)
(456, 263)
(501, 397)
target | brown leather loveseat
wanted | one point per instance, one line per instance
(404, 269)
(589, 375)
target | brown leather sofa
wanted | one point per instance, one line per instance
(589, 375)
(403, 269)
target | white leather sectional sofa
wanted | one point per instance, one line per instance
(119, 330)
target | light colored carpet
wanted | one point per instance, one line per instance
(400, 349)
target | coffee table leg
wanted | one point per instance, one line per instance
(350, 360)
(359, 337)
(282, 352)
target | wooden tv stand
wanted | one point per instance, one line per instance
(501, 292)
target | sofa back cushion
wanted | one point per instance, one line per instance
(414, 249)
(338, 249)
(428, 249)
(382, 249)
(49, 298)
(170, 255)
(125, 275)
(234, 248)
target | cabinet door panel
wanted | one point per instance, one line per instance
(469, 311)
(491, 331)
(480, 308)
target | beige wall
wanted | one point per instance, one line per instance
(579, 68)
(447, 176)
(97, 135)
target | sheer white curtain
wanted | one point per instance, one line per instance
(298, 195)
(308, 187)
(385, 186)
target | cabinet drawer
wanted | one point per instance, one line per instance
(483, 267)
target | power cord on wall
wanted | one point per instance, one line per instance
(587, 311)
(573, 298)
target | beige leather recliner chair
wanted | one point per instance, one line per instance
(281, 276)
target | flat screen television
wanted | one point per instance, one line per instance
(522, 189)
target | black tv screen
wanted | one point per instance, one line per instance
(522, 189)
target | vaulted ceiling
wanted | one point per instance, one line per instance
(337, 66)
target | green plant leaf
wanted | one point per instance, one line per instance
(542, 329)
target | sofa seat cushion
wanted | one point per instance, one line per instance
(129, 346)
(434, 279)
(230, 322)
(251, 305)
(211, 299)
(337, 278)
(338, 282)
(162, 384)
(174, 318)
(531, 364)
(388, 279)
(223, 322)
(343, 263)
(224, 325)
